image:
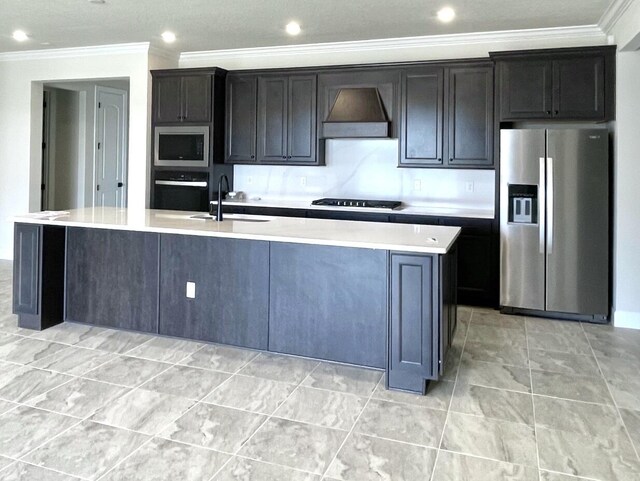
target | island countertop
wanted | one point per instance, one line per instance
(369, 235)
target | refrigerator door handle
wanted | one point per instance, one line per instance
(542, 207)
(549, 205)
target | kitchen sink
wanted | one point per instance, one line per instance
(234, 217)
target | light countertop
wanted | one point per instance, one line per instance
(431, 210)
(370, 235)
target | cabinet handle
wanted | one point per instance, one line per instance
(253, 156)
(548, 112)
(284, 156)
(289, 157)
(557, 112)
(120, 184)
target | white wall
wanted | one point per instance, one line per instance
(21, 83)
(66, 171)
(367, 169)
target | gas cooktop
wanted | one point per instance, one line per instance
(374, 204)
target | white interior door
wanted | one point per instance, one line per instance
(111, 148)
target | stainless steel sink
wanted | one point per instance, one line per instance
(233, 217)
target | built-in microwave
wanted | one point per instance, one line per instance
(183, 146)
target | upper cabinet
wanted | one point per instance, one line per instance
(242, 102)
(560, 84)
(287, 119)
(447, 116)
(181, 97)
(271, 119)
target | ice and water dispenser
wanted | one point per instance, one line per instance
(523, 204)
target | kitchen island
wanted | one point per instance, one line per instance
(370, 294)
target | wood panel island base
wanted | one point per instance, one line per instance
(369, 294)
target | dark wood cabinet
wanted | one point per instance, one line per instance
(478, 261)
(287, 119)
(231, 277)
(422, 117)
(420, 326)
(38, 275)
(241, 110)
(112, 278)
(180, 97)
(470, 117)
(329, 303)
(561, 84)
(447, 116)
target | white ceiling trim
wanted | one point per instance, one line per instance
(613, 13)
(122, 48)
(558, 33)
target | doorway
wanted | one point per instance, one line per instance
(85, 144)
(111, 148)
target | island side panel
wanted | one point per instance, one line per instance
(329, 303)
(38, 275)
(415, 317)
(231, 276)
(112, 278)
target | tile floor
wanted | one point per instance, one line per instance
(523, 400)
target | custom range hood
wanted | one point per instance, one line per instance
(356, 113)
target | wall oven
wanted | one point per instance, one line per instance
(181, 191)
(181, 146)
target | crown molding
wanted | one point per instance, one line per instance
(55, 53)
(559, 33)
(164, 53)
(613, 13)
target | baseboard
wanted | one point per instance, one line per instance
(628, 319)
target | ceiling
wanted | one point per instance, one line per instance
(223, 24)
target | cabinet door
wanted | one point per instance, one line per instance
(196, 98)
(414, 323)
(241, 109)
(422, 122)
(526, 89)
(167, 102)
(477, 262)
(301, 126)
(329, 302)
(470, 119)
(112, 278)
(272, 119)
(231, 276)
(579, 88)
(26, 268)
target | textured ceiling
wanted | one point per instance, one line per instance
(221, 24)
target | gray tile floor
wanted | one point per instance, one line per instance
(523, 400)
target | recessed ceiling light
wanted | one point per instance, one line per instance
(446, 14)
(169, 37)
(293, 28)
(20, 36)
(97, 2)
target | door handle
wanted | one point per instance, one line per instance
(549, 205)
(542, 195)
(120, 184)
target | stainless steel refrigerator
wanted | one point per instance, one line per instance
(554, 221)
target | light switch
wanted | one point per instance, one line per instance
(191, 290)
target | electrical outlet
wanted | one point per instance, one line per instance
(468, 186)
(191, 290)
(417, 184)
(303, 181)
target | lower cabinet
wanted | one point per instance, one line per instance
(112, 278)
(231, 277)
(422, 318)
(329, 303)
(38, 275)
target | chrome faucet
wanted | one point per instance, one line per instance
(219, 206)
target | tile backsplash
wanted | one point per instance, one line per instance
(366, 168)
